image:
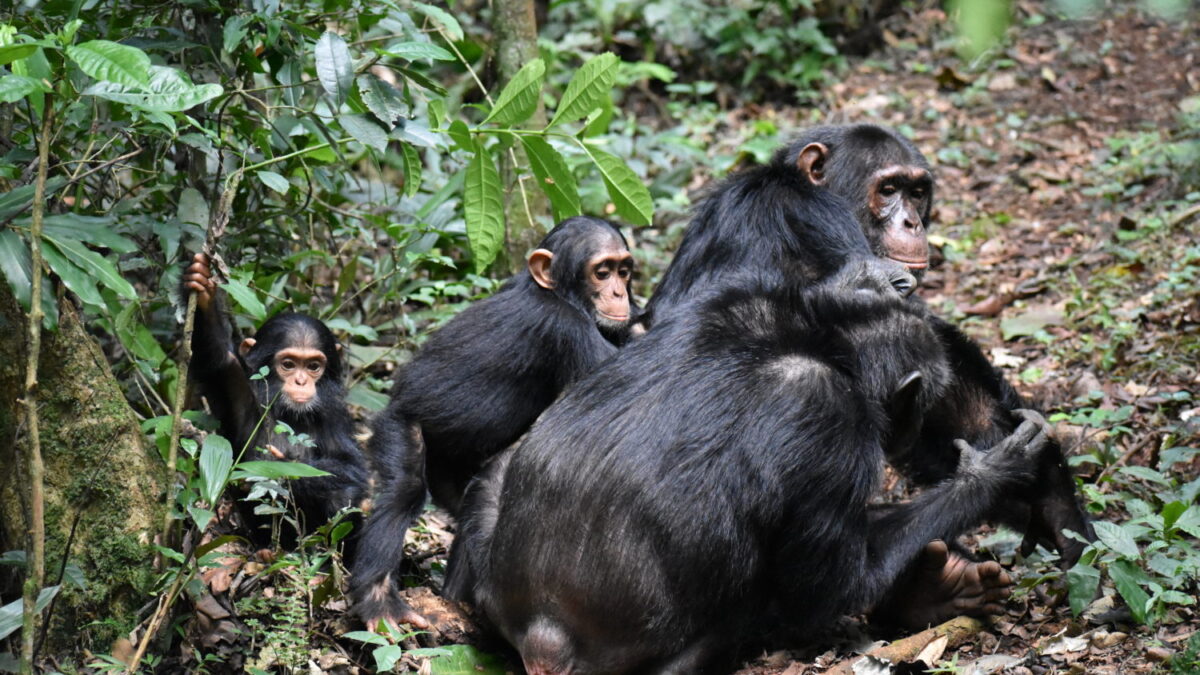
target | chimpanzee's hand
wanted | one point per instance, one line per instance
(1012, 460)
(198, 277)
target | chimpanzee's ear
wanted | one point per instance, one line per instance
(539, 268)
(338, 346)
(246, 346)
(811, 161)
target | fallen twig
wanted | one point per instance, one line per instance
(956, 631)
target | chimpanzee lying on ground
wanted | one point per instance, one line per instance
(303, 388)
(479, 383)
(715, 481)
(746, 222)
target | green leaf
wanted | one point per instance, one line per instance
(216, 460)
(382, 99)
(235, 31)
(274, 181)
(19, 199)
(386, 657)
(169, 90)
(467, 660)
(1171, 513)
(111, 62)
(76, 279)
(1117, 539)
(412, 169)
(1126, 577)
(1146, 474)
(421, 80)
(193, 208)
(93, 264)
(270, 469)
(520, 97)
(246, 298)
(15, 264)
(363, 396)
(442, 17)
(553, 176)
(437, 112)
(335, 67)
(201, 516)
(11, 615)
(626, 190)
(13, 88)
(1082, 582)
(10, 53)
(366, 636)
(1190, 521)
(95, 230)
(412, 51)
(365, 130)
(461, 135)
(587, 89)
(483, 204)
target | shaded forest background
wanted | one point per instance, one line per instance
(372, 164)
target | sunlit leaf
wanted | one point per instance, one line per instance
(382, 99)
(216, 460)
(111, 62)
(412, 169)
(519, 99)
(553, 176)
(412, 51)
(587, 89)
(335, 67)
(467, 660)
(365, 130)
(274, 181)
(10, 53)
(483, 203)
(246, 298)
(270, 469)
(13, 88)
(1116, 538)
(443, 18)
(627, 191)
(169, 90)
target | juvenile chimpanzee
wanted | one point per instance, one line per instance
(303, 388)
(714, 482)
(743, 223)
(481, 380)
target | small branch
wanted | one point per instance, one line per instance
(956, 631)
(35, 559)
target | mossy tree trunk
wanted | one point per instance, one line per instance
(525, 210)
(103, 482)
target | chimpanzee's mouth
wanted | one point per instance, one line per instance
(612, 317)
(915, 264)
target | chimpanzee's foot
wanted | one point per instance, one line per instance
(942, 585)
(383, 603)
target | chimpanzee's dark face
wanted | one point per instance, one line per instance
(899, 200)
(608, 274)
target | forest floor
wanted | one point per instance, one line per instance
(1066, 229)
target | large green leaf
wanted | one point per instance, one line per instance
(246, 298)
(412, 51)
(467, 660)
(10, 53)
(16, 265)
(216, 460)
(269, 469)
(1116, 538)
(520, 98)
(587, 89)
(1127, 577)
(1082, 582)
(20, 198)
(365, 130)
(274, 181)
(169, 90)
(94, 264)
(483, 203)
(381, 99)
(412, 169)
(111, 62)
(75, 278)
(554, 177)
(335, 67)
(12, 614)
(13, 88)
(441, 16)
(94, 230)
(627, 191)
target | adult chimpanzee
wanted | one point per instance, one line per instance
(303, 388)
(481, 380)
(890, 188)
(714, 482)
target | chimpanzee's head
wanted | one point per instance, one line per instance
(305, 361)
(586, 262)
(884, 177)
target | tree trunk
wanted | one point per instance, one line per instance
(524, 212)
(103, 482)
